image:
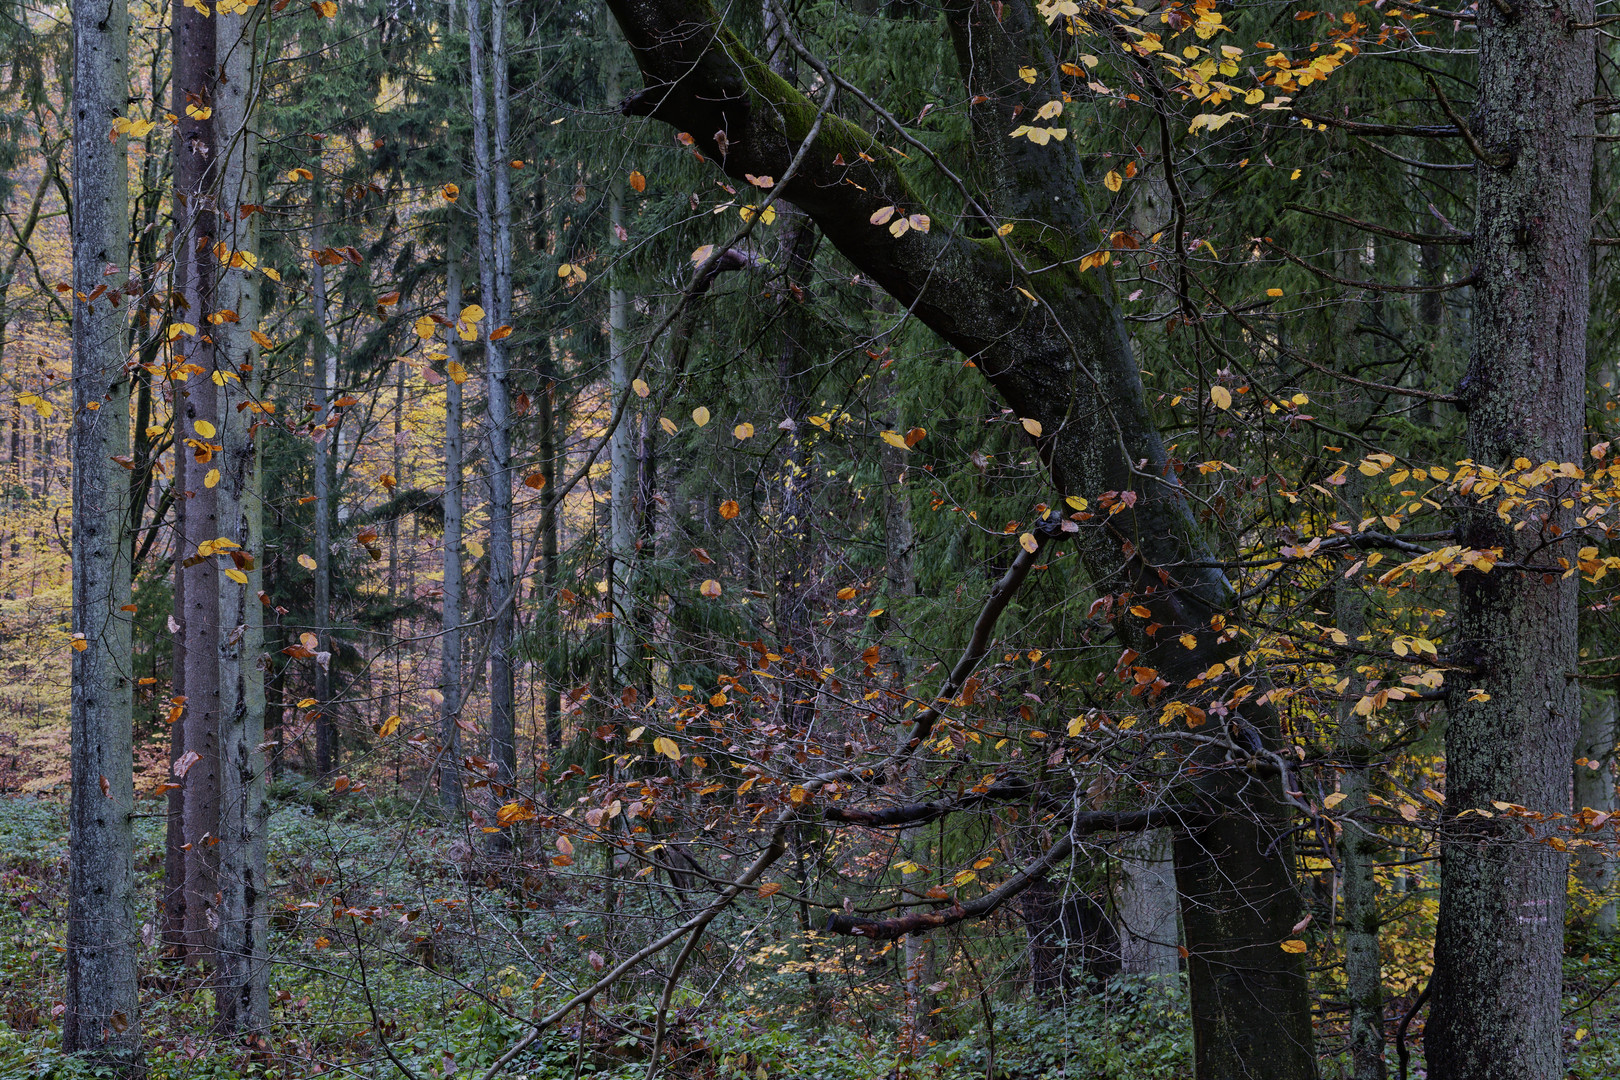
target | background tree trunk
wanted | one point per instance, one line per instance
(1594, 787)
(450, 606)
(242, 977)
(323, 359)
(100, 1016)
(1498, 954)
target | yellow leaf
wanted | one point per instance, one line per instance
(640, 387)
(457, 373)
(1004, 228)
(1028, 543)
(512, 813)
(307, 703)
(326, 9)
(710, 589)
(199, 112)
(204, 428)
(666, 746)
(1293, 946)
(1274, 292)
(700, 416)
(475, 548)
(262, 340)
(895, 439)
(236, 575)
(1032, 426)
(273, 275)
(1188, 642)
(1027, 74)
(667, 424)
(426, 328)
(846, 593)
(1221, 396)
(1113, 181)
(389, 726)
(702, 253)
(743, 431)
(472, 313)
(212, 479)
(1333, 800)
(798, 796)
(306, 561)
(964, 877)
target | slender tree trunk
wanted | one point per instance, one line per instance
(324, 358)
(1498, 955)
(197, 418)
(1146, 903)
(1594, 787)
(100, 1017)
(1359, 846)
(174, 854)
(549, 551)
(242, 978)
(621, 453)
(450, 605)
(493, 186)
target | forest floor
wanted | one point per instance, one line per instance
(449, 990)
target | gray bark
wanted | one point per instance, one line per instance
(492, 183)
(1146, 905)
(1594, 787)
(195, 156)
(324, 359)
(101, 1010)
(450, 606)
(621, 453)
(242, 974)
(1499, 943)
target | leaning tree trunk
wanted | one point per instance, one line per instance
(1498, 951)
(242, 974)
(1062, 361)
(450, 554)
(100, 1015)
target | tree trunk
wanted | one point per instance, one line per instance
(242, 977)
(621, 452)
(1498, 953)
(1146, 904)
(493, 187)
(450, 553)
(1594, 787)
(1063, 362)
(324, 360)
(100, 1016)
(197, 417)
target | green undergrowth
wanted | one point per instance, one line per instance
(447, 981)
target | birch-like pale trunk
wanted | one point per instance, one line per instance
(492, 184)
(100, 1016)
(242, 972)
(450, 636)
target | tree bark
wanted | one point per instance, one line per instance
(197, 417)
(1064, 362)
(492, 183)
(1146, 903)
(100, 1017)
(242, 975)
(621, 453)
(324, 360)
(450, 635)
(1499, 943)
(1594, 787)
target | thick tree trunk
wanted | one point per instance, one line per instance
(100, 1016)
(1064, 362)
(197, 418)
(1499, 944)
(450, 635)
(242, 975)
(493, 187)
(1594, 787)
